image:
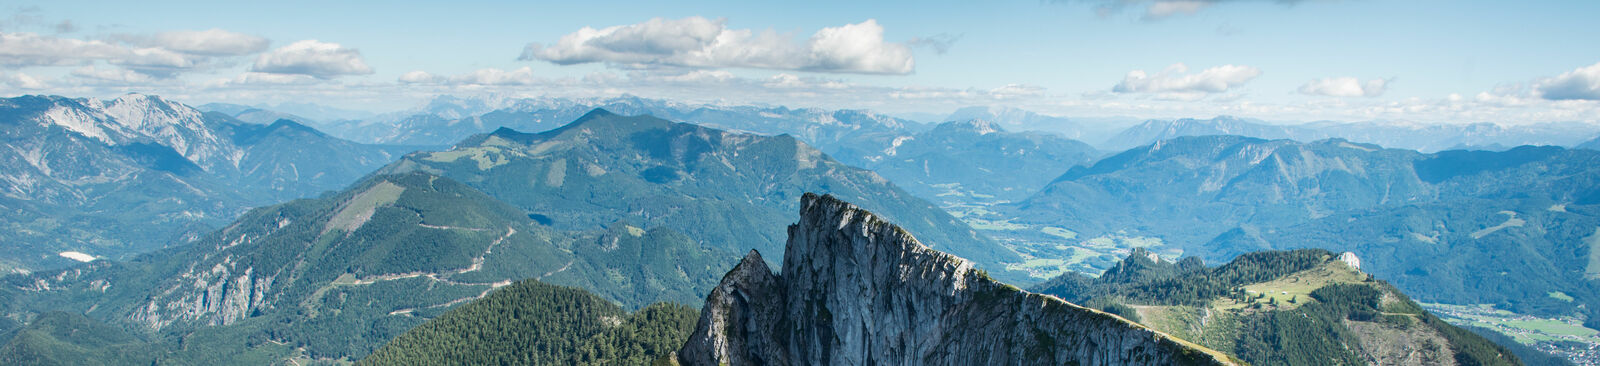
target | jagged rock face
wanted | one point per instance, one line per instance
(856, 290)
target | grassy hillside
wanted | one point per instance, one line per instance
(336, 277)
(1290, 307)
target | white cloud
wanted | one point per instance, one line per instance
(858, 47)
(112, 75)
(29, 49)
(1345, 87)
(481, 77)
(263, 78)
(1017, 91)
(703, 43)
(419, 77)
(791, 81)
(697, 76)
(211, 42)
(155, 61)
(322, 60)
(1176, 79)
(163, 55)
(22, 81)
(1163, 9)
(493, 76)
(1580, 84)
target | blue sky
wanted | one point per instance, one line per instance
(1423, 61)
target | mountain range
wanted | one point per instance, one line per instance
(109, 178)
(338, 276)
(977, 160)
(726, 189)
(1511, 228)
(635, 212)
(439, 229)
(1411, 136)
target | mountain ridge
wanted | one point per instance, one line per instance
(855, 289)
(726, 188)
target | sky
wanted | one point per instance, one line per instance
(1417, 61)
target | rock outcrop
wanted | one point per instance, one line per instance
(856, 290)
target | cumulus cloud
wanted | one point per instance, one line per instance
(155, 61)
(1580, 84)
(704, 43)
(112, 75)
(419, 77)
(493, 76)
(264, 78)
(29, 49)
(211, 42)
(163, 55)
(22, 81)
(1163, 9)
(1177, 79)
(314, 58)
(1345, 87)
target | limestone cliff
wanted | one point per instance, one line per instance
(856, 290)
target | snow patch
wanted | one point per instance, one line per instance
(78, 256)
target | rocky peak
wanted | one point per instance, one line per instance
(857, 290)
(1350, 259)
(974, 126)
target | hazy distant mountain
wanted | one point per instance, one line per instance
(728, 189)
(317, 112)
(1461, 227)
(1439, 137)
(1280, 308)
(977, 160)
(1411, 136)
(446, 120)
(254, 115)
(106, 178)
(1091, 130)
(1591, 144)
(1190, 189)
(1156, 130)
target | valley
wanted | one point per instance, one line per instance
(1564, 336)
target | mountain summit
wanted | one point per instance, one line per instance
(728, 189)
(857, 290)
